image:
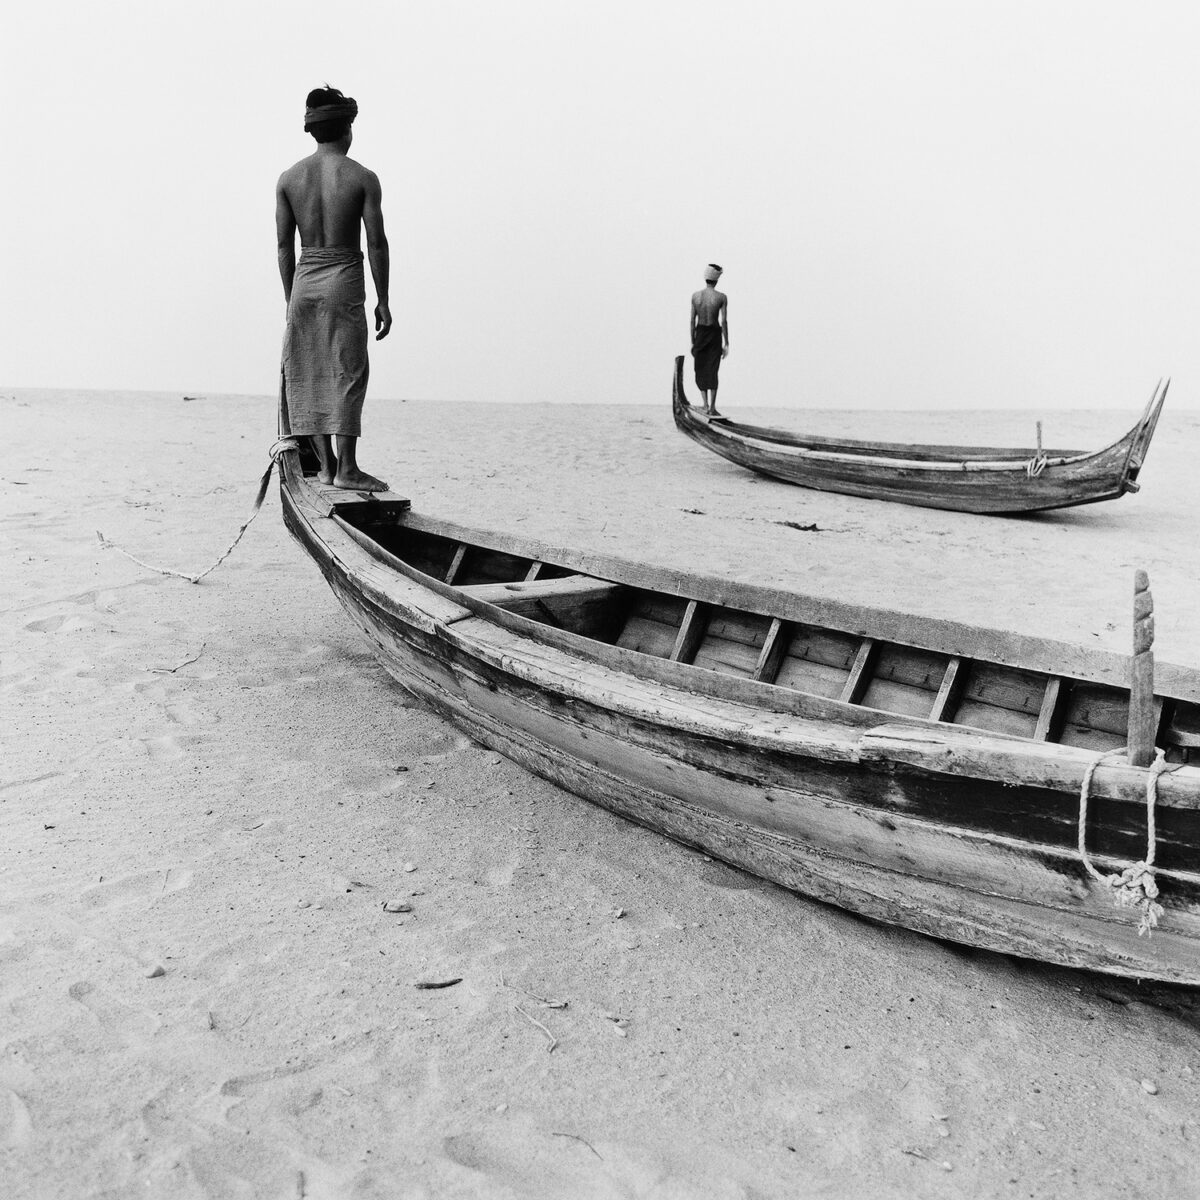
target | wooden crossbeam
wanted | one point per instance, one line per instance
(774, 648)
(691, 632)
(860, 673)
(1054, 700)
(948, 693)
(456, 562)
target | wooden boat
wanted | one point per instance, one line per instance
(978, 479)
(920, 772)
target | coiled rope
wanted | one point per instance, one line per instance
(277, 449)
(1135, 887)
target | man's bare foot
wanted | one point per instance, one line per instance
(358, 481)
(325, 475)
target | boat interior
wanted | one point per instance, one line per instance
(879, 675)
(891, 450)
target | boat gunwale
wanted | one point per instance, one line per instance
(941, 459)
(954, 638)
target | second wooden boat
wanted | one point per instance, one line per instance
(920, 772)
(978, 479)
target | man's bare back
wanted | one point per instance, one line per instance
(327, 195)
(329, 199)
(707, 306)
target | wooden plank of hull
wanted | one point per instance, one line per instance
(936, 880)
(1000, 485)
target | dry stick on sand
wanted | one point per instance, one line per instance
(915, 1153)
(542, 1000)
(535, 1021)
(579, 1139)
(186, 662)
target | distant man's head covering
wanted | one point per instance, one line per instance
(328, 104)
(712, 273)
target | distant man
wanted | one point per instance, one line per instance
(710, 336)
(329, 197)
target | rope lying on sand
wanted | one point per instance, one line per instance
(1135, 886)
(276, 450)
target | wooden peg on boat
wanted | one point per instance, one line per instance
(1142, 713)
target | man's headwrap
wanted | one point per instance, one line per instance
(344, 110)
(712, 273)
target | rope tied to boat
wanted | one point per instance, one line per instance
(1037, 464)
(1135, 887)
(279, 447)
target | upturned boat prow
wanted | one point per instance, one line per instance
(922, 773)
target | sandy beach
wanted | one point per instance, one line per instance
(208, 794)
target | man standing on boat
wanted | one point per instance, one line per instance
(710, 336)
(330, 198)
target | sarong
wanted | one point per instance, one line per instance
(324, 370)
(706, 350)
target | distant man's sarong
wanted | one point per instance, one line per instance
(324, 371)
(706, 350)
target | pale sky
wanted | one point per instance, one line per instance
(917, 204)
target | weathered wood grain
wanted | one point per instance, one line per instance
(1143, 715)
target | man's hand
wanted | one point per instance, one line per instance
(725, 352)
(383, 321)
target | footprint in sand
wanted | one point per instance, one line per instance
(175, 702)
(163, 749)
(135, 887)
(500, 874)
(60, 624)
(26, 787)
(440, 742)
(16, 1128)
(112, 1014)
(719, 875)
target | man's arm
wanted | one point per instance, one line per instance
(377, 252)
(285, 238)
(725, 327)
(692, 323)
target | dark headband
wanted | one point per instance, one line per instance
(345, 111)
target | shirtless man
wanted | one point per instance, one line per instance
(710, 336)
(330, 198)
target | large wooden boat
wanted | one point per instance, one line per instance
(978, 479)
(920, 772)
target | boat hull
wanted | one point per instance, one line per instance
(1011, 482)
(824, 819)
